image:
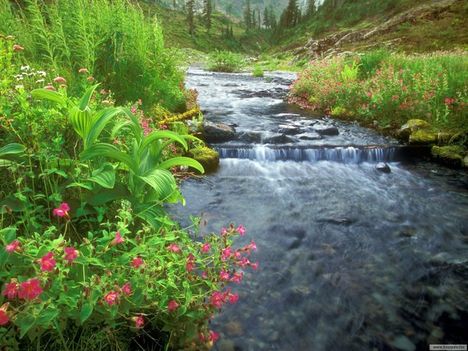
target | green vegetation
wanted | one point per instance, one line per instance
(225, 61)
(111, 42)
(389, 88)
(257, 71)
(90, 153)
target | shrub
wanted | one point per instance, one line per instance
(108, 41)
(258, 72)
(390, 90)
(225, 61)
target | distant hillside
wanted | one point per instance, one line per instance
(407, 25)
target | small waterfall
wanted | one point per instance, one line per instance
(343, 154)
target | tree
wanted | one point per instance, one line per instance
(310, 8)
(291, 15)
(248, 15)
(207, 11)
(266, 18)
(190, 6)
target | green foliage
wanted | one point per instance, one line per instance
(391, 89)
(225, 61)
(257, 71)
(112, 40)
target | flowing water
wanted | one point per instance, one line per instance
(350, 258)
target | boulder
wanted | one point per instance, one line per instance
(326, 130)
(449, 155)
(217, 132)
(310, 136)
(251, 137)
(422, 137)
(411, 126)
(289, 130)
(383, 167)
(444, 138)
(278, 139)
(209, 158)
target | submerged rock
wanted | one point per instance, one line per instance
(383, 167)
(209, 158)
(422, 137)
(310, 136)
(326, 130)
(289, 130)
(251, 137)
(278, 139)
(449, 155)
(217, 132)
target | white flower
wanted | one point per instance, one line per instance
(19, 86)
(41, 73)
(25, 68)
(19, 77)
(40, 81)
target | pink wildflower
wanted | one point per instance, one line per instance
(62, 210)
(190, 265)
(223, 275)
(254, 266)
(4, 319)
(233, 298)
(224, 231)
(137, 262)
(70, 254)
(217, 299)
(11, 290)
(204, 275)
(174, 248)
(118, 239)
(47, 262)
(60, 80)
(252, 246)
(225, 253)
(206, 247)
(17, 48)
(83, 71)
(13, 246)
(112, 298)
(139, 321)
(214, 336)
(127, 289)
(51, 88)
(241, 230)
(172, 306)
(237, 277)
(30, 289)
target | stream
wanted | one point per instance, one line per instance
(350, 258)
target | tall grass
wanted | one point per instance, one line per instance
(114, 40)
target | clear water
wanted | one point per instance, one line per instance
(350, 258)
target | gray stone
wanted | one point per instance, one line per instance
(217, 132)
(383, 167)
(326, 130)
(278, 139)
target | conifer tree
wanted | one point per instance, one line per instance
(190, 7)
(248, 15)
(207, 11)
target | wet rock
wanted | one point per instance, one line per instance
(234, 328)
(403, 343)
(289, 130)
(449, 155)
(411, 126)
(309, 136)
(338, 221)
(209, 158)
(326, 130)
(278, 139)
(465, 161)
(422, 137)
(383, 167)
(217, 132)
(295, 244)
(443, 138)
(226, 345)
(251, 137)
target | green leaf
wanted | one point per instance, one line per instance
(84, 101)
(182, 161)
(109, 151)
(81, 120)
(84, 185)
(12, 149)
(46, 317)
(99, 123)
(104, 176)
(86, 312)
(8, 234)
(25, 321)
(162, 182)
(157, 135)
(45, 94)
(104, 196)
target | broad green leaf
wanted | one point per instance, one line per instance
(182, 161)
(104, 196)
(46, 317)
(84, 101)
(162, 182)
(86, 312)
(8, 234)
(84, 185)
(12, 149)
(45, 94)
(104, 176)
(157, 135)
(99, 123)
(109, 151)
(81, 120)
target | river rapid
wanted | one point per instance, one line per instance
(350, 258)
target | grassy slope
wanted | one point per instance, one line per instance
(444, 32)
(176, 32)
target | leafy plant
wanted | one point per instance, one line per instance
(225, 61)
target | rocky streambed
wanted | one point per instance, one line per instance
(362, 245)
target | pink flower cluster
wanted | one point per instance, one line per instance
(219, 298)
(28, 290)
(62, 210)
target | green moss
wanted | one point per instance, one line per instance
(450, 155)
(422, 137)
(209, 158)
